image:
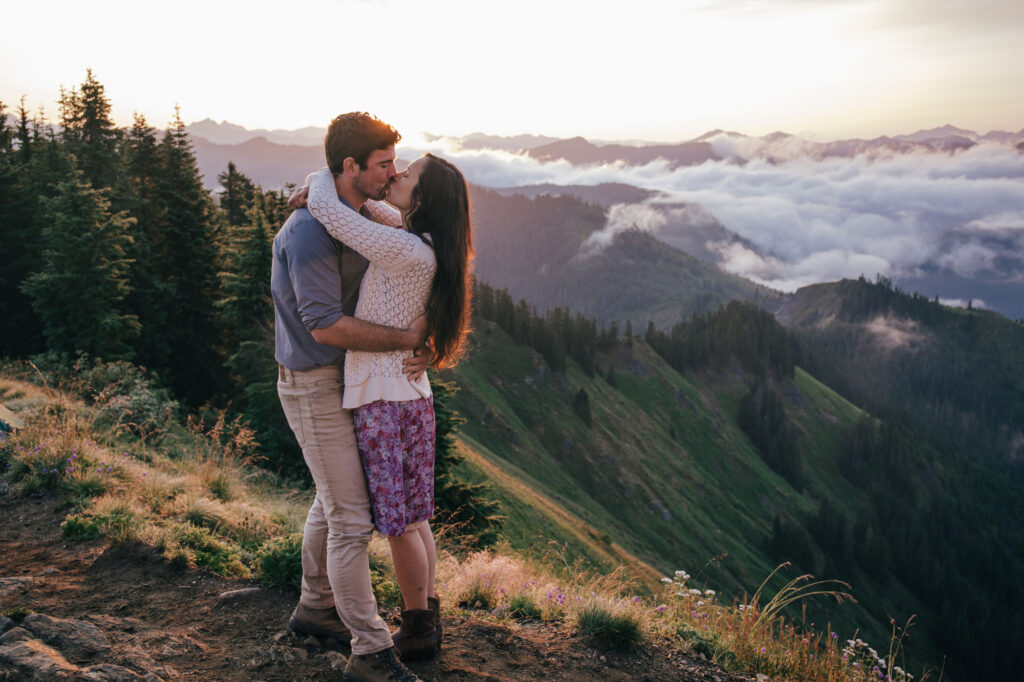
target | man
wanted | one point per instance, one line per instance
(315, 282)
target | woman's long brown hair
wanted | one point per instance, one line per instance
(440, 203)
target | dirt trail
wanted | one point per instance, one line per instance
(175, 623)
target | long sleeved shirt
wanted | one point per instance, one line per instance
(314, 280)
(393, 293)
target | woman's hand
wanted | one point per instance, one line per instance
(415, 365)
(298, 198)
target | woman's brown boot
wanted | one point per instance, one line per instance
(417, 637)
(434, 604)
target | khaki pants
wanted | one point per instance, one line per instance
(335, 565)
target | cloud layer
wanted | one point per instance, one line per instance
(801, 221)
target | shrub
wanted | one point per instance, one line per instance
(79, 527)
(279, 562)
(127, 396)
(480, 594)
(522, 606)
(193, 546)
(619, 630)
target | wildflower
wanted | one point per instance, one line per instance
(709, 593)
(763, 650)
(695, 592)
(682, 575)
(700, 603)
(635, 599)
(834, 635)
(666, 580)
(661, 608)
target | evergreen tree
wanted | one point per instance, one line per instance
(22, 224)
(24, 134)
(188, 250)
(79, 289)
(468, 506)
(151, 289)
(89, 132)
(236, 196)
(581, 406)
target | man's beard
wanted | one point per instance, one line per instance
(375, 193)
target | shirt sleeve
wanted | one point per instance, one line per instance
(388, 248)
(315, 276)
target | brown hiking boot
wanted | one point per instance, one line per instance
(417, 637)
(319, 622)
(434, 604)
(382, 666)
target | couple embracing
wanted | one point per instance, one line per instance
(367, 295)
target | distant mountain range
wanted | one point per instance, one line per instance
(604, 210)
(275, 157)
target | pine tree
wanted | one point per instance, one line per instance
(150, 288)
(22, 224)
(236, 196)
(79, 289)
(188, 248)
(89, 132)
(468, 506)
(581, 405)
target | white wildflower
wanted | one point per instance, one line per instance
(667, 580)
(695, 592)
(709, 593)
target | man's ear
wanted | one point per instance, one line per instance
(350, 166)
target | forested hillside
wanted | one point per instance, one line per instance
(533, 247)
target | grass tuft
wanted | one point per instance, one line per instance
(617, 628)
(279, 562)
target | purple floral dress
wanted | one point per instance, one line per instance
(396, 446)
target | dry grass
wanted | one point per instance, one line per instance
(198, 498)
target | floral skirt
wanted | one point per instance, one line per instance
(396, 446)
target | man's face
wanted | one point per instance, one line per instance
(374, 180)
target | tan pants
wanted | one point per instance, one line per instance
(335, 566)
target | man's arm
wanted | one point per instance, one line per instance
(352, 333)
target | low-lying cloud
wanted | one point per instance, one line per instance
(802, 220)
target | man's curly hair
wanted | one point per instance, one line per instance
(356, 134)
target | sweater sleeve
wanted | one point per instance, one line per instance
(387, 247)
(382, 213)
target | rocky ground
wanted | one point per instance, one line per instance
(92, 611)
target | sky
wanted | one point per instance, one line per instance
(660, 70)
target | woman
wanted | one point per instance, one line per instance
(425, 266)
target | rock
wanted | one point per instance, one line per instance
(35, 661)
(336, 660)
(11, 584)
(50, 571)
(761, 677)
(500, 611)
(141, 662)
(281, 635)
(15, 635)
(237, 594)
(108, 672)
(5, 624)
(74, 638)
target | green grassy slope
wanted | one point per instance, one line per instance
(664, 474)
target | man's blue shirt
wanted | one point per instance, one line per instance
(314, 280)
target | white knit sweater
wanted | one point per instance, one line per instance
(393, 293)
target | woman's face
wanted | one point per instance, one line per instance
(400, 193)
